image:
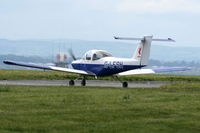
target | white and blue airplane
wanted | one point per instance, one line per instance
(101, 63)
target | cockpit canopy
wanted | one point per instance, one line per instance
(96, 55)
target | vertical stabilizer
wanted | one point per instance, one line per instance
(142, 52)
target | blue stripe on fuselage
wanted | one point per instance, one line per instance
(100, 70)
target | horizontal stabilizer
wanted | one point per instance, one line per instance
(141, 39)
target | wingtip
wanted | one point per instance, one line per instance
(115, 37)
(170, 39)
(7, 62)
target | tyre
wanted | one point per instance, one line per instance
(125, 84)
(71, 83)
(83, 82)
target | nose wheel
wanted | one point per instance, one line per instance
(83, 82)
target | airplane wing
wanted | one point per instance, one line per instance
(48, 67)
(152, 71)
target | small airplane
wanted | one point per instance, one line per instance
(101, 63)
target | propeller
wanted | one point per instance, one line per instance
(71, 53)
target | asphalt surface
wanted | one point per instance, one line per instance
(101, 83)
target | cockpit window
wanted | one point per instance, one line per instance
(100, 54)
(88, 57)
(95, 55)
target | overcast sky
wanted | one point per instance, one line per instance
(101, 19)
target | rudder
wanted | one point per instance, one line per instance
(142, 52)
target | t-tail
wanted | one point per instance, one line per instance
(142, 52)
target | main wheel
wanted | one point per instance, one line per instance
(71, 83)
(125, 84)
(83, 82)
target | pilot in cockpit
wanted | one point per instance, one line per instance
(95, 57)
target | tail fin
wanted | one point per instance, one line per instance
(143, 50)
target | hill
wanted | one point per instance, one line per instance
(49, 48)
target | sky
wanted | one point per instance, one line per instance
(100, 20)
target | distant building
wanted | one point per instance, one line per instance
(61, 60)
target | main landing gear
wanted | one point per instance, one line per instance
(124, 84)
(83, 82)
(71, 83)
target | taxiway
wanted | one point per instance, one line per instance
(101, 83)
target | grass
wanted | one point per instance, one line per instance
(34, 75)
(51, 75)
(171, 108)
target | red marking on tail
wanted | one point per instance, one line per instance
(139, 52)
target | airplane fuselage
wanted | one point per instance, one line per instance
(106, 66)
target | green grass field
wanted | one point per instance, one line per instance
(171, 108)
(51, 75)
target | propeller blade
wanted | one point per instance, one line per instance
(72, 54)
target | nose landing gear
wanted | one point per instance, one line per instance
(83, 82)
